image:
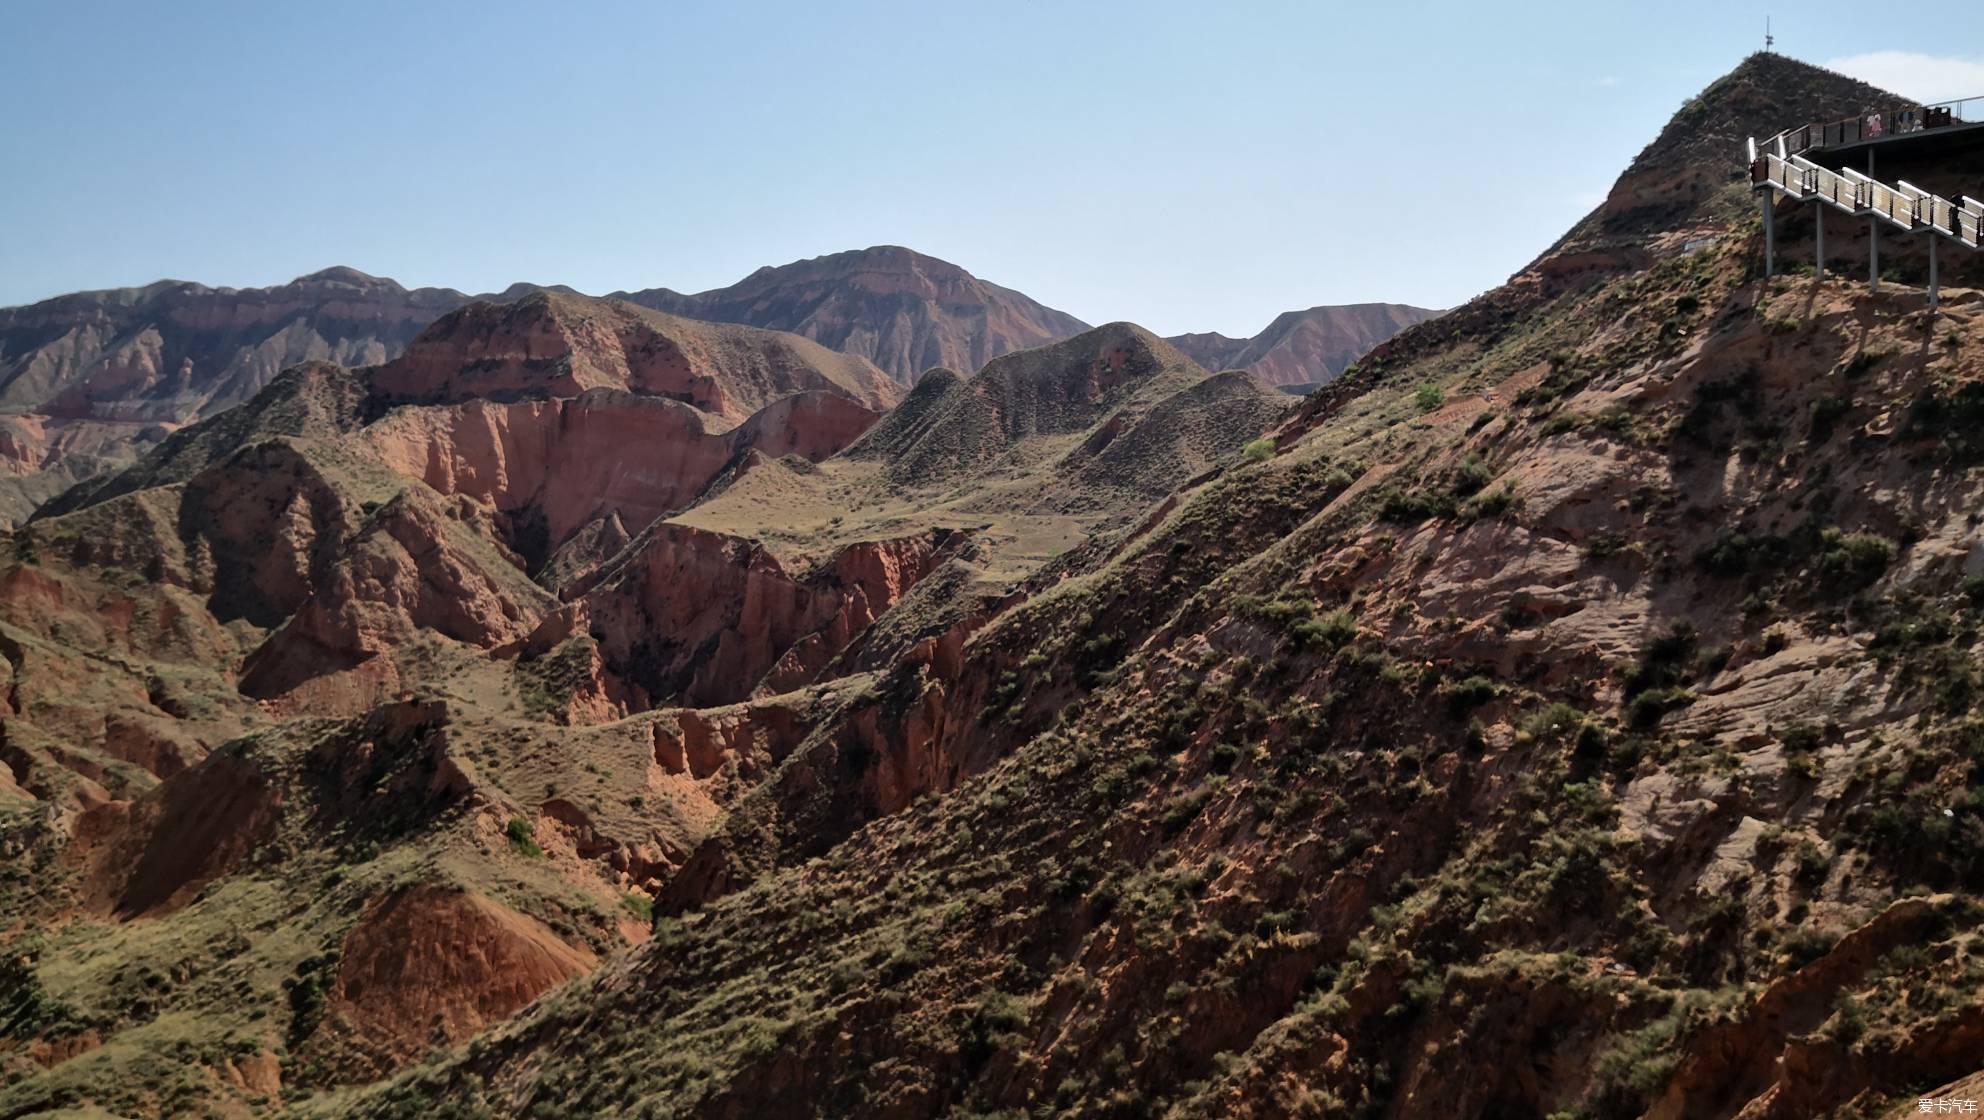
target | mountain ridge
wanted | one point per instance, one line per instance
(1312, 346)
(857, 301)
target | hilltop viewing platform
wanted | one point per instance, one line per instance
(1913, 128)
(1824, 163)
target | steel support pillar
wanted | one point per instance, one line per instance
(1933, 278)
(1770, 236)
(1873, 239)
(1873, 255)
(1819, 223)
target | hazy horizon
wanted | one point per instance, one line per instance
(1179, 168)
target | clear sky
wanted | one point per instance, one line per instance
(1188, 166)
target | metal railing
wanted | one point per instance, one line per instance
(1903, 205)
(1970, 221)
(1890, 121)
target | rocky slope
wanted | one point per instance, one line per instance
(1310, 347)
(1102, 395)
(343, 723)
(903, 311)
(1571, 710)
(1573, 713)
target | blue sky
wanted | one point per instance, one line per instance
(1187, 166)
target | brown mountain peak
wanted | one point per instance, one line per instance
(344, 276)
(903, 310)
(1700, 151)
(1307, 347)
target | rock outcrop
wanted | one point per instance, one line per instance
(558, 465)
(429, 966)
(418, 565)
(555, 345)
(700, 618)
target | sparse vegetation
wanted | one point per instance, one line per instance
(522, 838)
(1066, 742)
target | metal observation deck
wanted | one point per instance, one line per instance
(1784, 165)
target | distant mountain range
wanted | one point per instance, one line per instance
(1304, 347)
(89, 379)
(173, 351)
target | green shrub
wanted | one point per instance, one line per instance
(1805, 945)
(1503, 501)
(1593, 740)
(1182, 810)
(1826, 411)
(1850, 562)
(1636, 1068)
(306, 991)
(1604, 545)
(1645, 710)
(1465, 696)
(1737, 554)
(1553, 722)
(1331, 631)
(1259, 450)
(1956, 420)
(1663, 661)
(1223, 758)
(1428, 397)
(522, 838)
(1863, 361)
(1396, 504)
(1470, 477)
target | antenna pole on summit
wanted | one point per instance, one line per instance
(1769, 41)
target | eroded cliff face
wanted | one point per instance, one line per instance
(175, 351)
(432, 965)
(151, 855)
(553, 345)
(556, 466)
(694, 616)
(417, 566)
(306, 640)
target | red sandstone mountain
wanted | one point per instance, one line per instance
(1304, 347)
(556, 345)
(94, 378)
(1598, 742)
(898, 308)
(172, 351)
(1093, 736)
